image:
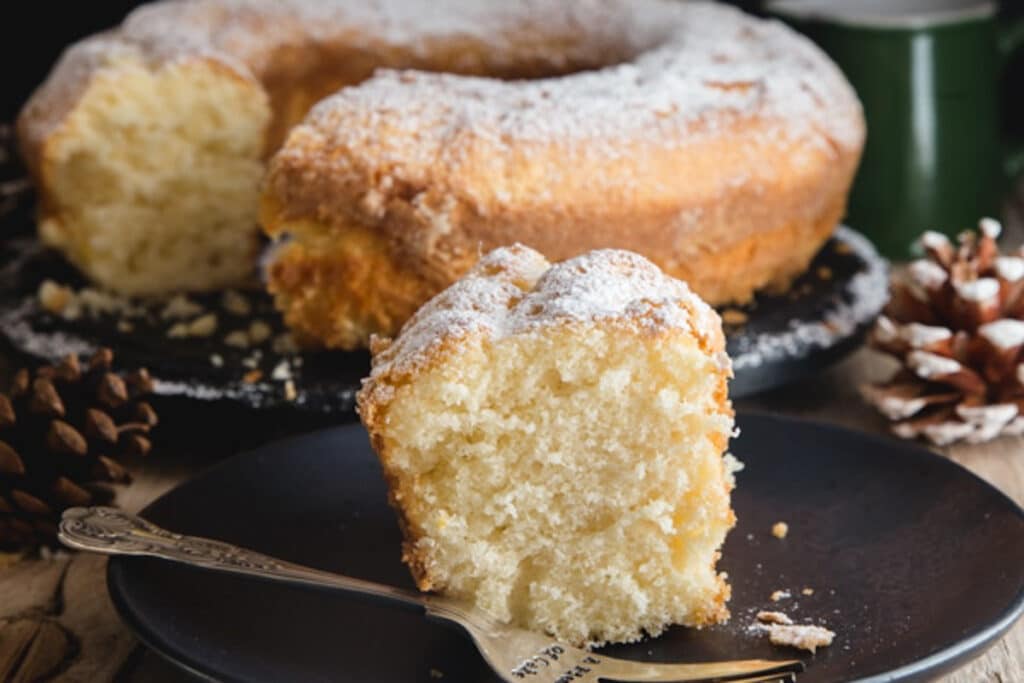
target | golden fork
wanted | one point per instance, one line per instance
(514, 654)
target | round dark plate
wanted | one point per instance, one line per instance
(917, 564)
(781, 338)
(822, 317)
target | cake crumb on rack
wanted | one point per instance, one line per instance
(54, 297)
(259, 332)
(177, 331)
(203, 326)
(71, 304)
(236, 303)
(733, 316)
(238, 339)
(180, 307)
(284, 343)
(282, 371)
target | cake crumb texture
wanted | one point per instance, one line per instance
(553, 439)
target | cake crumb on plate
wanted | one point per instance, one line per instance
(769, 617)
(783, 632)
(801, 636)
(780, 529)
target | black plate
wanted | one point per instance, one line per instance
(785, 336)
(917, 564)
(822, 317)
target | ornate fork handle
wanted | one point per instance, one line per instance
(115, 532)
(515, 654)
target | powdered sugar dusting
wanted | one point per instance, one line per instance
(697, 67)
(514, 290)
(1009, 268)
(981, 415)
(935, 241)
(941, 434)
(690, 61)
(990, 227)
(980, 290)
(928, 274)
(17, 327)
(251, 30)
(988, 421)
(896, 408)
(918, 335)
(673, 73)
(1005, 333)
(928, 365)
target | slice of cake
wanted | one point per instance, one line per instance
(553, 436)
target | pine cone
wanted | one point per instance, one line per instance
(61, 431)
(954, 322)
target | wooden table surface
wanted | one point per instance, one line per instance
(55, 612)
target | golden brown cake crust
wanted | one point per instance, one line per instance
(300, 51)
(725, 160)
(720, 146)
(359, 283)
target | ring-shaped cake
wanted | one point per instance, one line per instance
(720, 146)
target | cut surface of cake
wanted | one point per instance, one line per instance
(553, 440)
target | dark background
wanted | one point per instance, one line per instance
(33, 33)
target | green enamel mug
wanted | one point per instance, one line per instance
(931, 74)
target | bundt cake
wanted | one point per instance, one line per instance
(553, 439)
(719, 145)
